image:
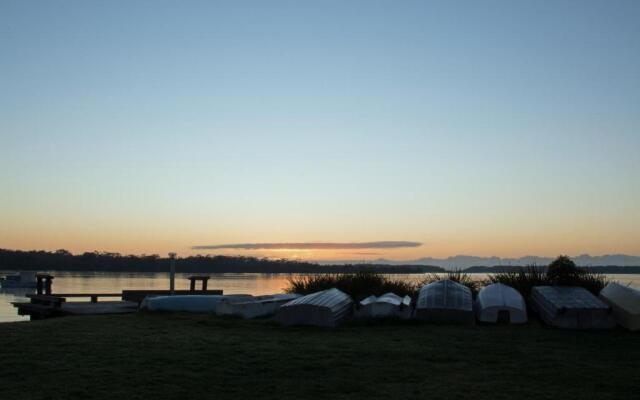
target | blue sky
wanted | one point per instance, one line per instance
(493, 128)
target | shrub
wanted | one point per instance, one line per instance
(562, 271)
(358, 285)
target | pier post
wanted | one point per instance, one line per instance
(47, 285)
(43, 284)
(172, 273)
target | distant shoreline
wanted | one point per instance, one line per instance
(62, 260)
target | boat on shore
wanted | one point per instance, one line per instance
(254, 307)
(445, 301)
(22, 280)
(188, 303)
(388, 305)
(625, 303)
(571, 307)
(328, 309)
(501, 303)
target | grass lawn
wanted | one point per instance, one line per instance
(177, 356)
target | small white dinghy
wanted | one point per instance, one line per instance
(501, 303)
(328, 308)
(258, 306)
(388, 305)
(23, 280)
(445, 301)
(188, 303)
(625, 303)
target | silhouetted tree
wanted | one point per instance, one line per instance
(562, 271)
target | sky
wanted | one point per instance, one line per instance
(322, 128)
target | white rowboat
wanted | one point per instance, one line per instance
(258, 306)
(386, 306)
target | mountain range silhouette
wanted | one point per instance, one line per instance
(464, 261)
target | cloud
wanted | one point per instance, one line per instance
(310, 246)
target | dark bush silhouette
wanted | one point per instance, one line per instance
(457, 276)
(523, 280)
(562, 271)
(366, 283)
(358, 285)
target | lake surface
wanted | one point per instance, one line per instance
(108, 282)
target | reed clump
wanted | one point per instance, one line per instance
(457, 276)
(522, 280)
(358, 285)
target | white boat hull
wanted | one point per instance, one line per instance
(445, 301)
(625, 303)
(386, 306)
(501, 303)
(186, 303)
(328, 309)
(259, 306)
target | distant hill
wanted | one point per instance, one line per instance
(462, 261)
(610, 269)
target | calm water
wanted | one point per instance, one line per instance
(256, 284)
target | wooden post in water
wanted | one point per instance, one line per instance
(172, 273)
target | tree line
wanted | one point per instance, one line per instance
(63, 260)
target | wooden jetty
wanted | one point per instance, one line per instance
(45, 304)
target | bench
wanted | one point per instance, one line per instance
(194, 279)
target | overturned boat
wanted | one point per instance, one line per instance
(328, 308)
(571, 308)
(501, 303)
(388, 305)
(625, 303)
(189, 303)
(258, 306)
(445, 301)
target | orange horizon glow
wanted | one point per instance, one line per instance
(314, 255)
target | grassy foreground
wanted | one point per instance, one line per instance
(177, 356)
